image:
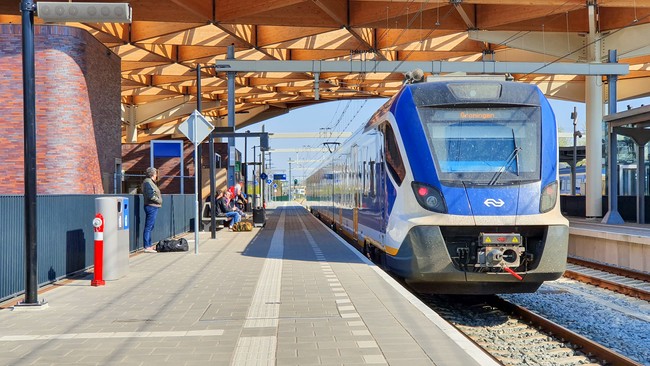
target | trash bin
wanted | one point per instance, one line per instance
(259, 216)
(115, 211)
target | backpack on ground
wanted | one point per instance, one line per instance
(242, 226)
(173, 245)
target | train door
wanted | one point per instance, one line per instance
(380, 175)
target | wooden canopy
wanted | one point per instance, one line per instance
(168, 38)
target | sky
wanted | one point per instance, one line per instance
(348, 116)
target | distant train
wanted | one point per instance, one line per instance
(452, 185)
(626, 180)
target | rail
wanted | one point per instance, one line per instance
(587, 346)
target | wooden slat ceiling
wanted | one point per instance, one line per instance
(168, 38)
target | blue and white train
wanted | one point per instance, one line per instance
(452, 185)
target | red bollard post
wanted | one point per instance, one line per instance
(98, 224)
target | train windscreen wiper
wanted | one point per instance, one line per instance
(513, 155)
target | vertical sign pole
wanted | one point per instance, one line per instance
(197, 217)
(197, 163)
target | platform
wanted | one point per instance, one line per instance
(291, 293)
(626, 245)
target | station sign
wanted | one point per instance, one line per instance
(279, 177)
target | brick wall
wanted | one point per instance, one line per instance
(136, 158)
(77, 111)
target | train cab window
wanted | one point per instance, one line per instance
(484, 145)
(393, 157)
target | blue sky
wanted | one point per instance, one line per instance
(349, 115)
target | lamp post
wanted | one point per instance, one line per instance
(246, 161)
(197, 164)
(290, 186)
(28, 9)
(254, 177)
(576, 134)
(269, 196)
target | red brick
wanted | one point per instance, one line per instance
(77, 111)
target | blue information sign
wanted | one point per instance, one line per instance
(268, 181)
(279, 177)
(263, 176)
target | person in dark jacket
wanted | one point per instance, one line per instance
(224, 208)
(152, 202)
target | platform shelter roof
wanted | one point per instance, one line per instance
(167, 39)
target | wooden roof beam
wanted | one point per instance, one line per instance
(202, 9)
(467, 18)
(149, 32)
(335, 9)
(268, 35)
(490, 17)
(231, 11)
(367, 13)
(367, 38)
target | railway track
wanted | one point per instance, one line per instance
(621, 280)
(516, 336)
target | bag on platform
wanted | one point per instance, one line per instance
(173, 245)
(242, 226)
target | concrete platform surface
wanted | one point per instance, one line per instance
(288, 294)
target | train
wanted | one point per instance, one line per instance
(626, 179)
(453, 186)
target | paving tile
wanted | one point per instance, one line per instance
(168, 307)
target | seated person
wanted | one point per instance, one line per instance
(240, 196)
(224, 208)
(233, 204)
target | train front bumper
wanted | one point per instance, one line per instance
(423, 260)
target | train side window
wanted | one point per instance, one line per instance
(364, 175)
(393, 156)
(371, 170)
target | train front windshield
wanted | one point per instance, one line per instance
(492, 146)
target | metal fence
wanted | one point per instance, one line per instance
(65, 242)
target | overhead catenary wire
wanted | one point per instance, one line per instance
(589, 44)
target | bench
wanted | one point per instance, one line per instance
(206, 218)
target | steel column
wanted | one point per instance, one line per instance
(27, 8)
(612, 216)
(231, 114)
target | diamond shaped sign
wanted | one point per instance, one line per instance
(196, 127)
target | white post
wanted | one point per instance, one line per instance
(594, 104)
(197, 216)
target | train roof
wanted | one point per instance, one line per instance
(473, 91)
(462, 92)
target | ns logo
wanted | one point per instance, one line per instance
(491, 202)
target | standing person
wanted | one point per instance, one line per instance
(152, 202)
(224, 207)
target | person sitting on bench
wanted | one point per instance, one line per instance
(232, 204)
(224, 208)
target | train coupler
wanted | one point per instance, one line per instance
(500, 250)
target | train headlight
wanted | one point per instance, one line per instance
(429, 197)
(549, 197)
